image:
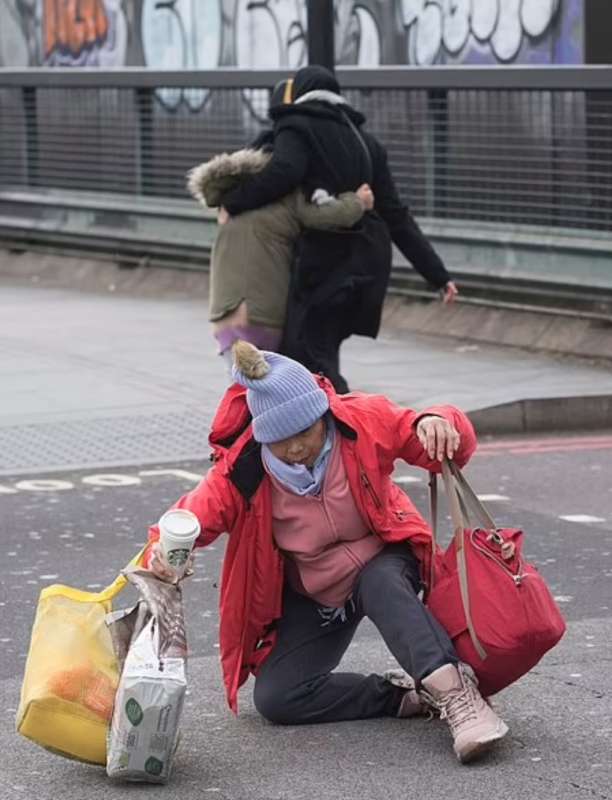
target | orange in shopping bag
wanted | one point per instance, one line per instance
(87, 686)
(100, 695)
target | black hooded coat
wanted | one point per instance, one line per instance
(316, 145)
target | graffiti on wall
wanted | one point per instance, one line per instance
(67, 33)
(83, 33)
(448, 27)
(281, 25)
(18, 41)
(181, 34)
(204, 34)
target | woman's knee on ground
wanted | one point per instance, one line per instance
(272, 701)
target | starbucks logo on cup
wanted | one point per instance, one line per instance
(176, 558)
(178, 530)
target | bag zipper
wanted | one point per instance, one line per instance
(516, 577)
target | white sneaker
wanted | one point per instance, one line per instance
(474, 725)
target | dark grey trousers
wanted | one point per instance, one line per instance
(296, 683)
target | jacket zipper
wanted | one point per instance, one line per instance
(369, 488)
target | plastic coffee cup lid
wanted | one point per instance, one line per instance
(180, 524)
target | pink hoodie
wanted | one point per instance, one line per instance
(324, 537)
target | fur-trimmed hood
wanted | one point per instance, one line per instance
(209, 181)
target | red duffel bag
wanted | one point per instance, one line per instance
(495, 606)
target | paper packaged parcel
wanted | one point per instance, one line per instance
(144, 730)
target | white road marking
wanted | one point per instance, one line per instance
(401, 479)
(563, 598)
(178, 473)
(493, 498)
(42, 485)
(112, 479)
(581, 518)
(100, 481)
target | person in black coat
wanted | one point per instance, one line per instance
(340, 278)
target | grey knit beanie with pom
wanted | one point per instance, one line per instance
(282, 395)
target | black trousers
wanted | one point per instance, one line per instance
(315, 342)
(296, 683)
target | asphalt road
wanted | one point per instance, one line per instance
(81, 527)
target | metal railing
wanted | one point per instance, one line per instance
(512, 145)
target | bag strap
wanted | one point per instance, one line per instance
(472, 501)
(104, 596)
(366, 149)
(459, 515)
(433, 515)
(120, 582)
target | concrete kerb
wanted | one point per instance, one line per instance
(545, 415)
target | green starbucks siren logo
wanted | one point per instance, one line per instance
(133, 711)
(154, 766)
(176, 558)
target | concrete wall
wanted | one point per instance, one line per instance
(271, 33)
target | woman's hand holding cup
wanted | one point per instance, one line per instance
(159, 565)
(172, 558)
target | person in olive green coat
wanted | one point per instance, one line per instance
(253, 252)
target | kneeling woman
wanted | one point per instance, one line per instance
(320, 537)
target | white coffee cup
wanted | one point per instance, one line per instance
(178, 530)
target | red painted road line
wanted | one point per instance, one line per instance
(510, 444)
(528, 450)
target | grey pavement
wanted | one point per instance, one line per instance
(103, 378)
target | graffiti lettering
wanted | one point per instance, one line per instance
(359, 37)
(435, 27)
(484, 19)
(83, 32)
(181, 34)
(74, 25)
(508, 33)
(13, 45)
(204, 34)
(456, 25)
(280, 25)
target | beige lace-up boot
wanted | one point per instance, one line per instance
(474, 725)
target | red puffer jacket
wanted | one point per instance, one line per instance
(235, 497)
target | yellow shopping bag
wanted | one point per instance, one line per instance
(71, 673)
